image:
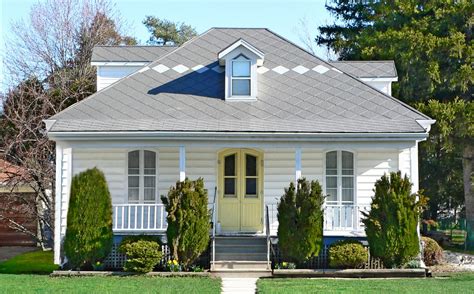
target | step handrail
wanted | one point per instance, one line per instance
(267, 231)
(213, 218)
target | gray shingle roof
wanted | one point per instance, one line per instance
(167, 100)
(368, 69)
(129, 53)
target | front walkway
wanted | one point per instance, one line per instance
(239, 285)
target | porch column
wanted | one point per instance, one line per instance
(182, 163)
(297, 165)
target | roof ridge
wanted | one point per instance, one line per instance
(362, 61)
(149, 46)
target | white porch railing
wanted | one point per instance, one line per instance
(337, 217)
(139, 217)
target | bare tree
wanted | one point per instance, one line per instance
(305, 36)
(49, 69)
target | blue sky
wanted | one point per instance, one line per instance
(283, 17)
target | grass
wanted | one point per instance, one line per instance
(455, 283)
(136, 284)
(36, 262)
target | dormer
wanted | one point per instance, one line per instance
(241, 60)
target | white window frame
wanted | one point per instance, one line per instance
(141, 177)
(339, 177)
(249, 78)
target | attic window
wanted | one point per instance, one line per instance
(241, 79)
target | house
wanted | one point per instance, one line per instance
(248, 111)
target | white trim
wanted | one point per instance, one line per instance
(297, 165)
(182, 163)
(426, 123)
(246, 136)
(378, 79)
(116, 63)
(141, 174)
(339, 175)
(414, 168)
(221, 55)
(57, 205)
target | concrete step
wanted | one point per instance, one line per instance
(241, 266)
(241, 257)
(241, 249)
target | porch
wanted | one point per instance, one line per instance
(339, 219)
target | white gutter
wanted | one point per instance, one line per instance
(116, 63)
(246, 136)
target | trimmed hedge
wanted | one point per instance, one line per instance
(391, 224)
(432, 253)
(142, 255)
(347, 254)
(300, 221)
(89, 235)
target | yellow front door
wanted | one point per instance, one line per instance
(240, 190)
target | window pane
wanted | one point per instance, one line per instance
(229, 165)
(241, 68)
(241, 87)
(347, 182)
(332, 194)
(347, 160)
(250, 187)
(251, 165)
(331, 172)
(133, 181)
(331, 182)
(132, 194)
(150, 159)
(133, 162)
(348, 172)
(347, 195)
(229, 187)
(150, 194)
(150, 182)
(331, 160)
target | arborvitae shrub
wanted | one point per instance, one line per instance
(391, 224)
(89, 233)
(347, 254)
(432, 253)
(142, 255)
(300, 221)
(188, 220)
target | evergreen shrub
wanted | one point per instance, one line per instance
(391, 224)
(432, 253)
(188, 220)
(300, 221)
(347, 254)
(142, 255)
(89, 233)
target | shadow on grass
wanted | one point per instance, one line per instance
(36, 262)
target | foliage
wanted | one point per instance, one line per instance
(391, 224)
(430, 41)
(47, 68)
(115, 284)
(188, 220)
(173, 266)
(432, 252)
(285, 265)
(142, 255)
(166, 32)
(300, 221)
(36, 262)
(89, 233)
(347, 254)
(135, 238)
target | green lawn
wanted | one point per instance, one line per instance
(137, 284)
(456, 283)
(36, 262)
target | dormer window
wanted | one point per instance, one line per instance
(241, 79)
(241, 60)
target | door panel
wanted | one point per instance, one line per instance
(240, 190)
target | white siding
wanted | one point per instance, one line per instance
(279, 171)
(385, 87)
(107, 75)
(202, 162)
(168, 168)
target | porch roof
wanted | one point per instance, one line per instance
(184, 91)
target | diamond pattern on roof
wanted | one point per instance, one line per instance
(262, 70)
(218, 69)
(180, 68)
(320, 69)
(280, 69)
(300, 69)
(161, 68)
(200, 68)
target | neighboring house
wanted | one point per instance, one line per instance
(249, 112)
(15, 206)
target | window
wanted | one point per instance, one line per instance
(251, 176)
(241, 76)
(340, 177)
(142, 176)
(230, 177)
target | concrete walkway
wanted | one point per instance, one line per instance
(7, 252)
(239, 285)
